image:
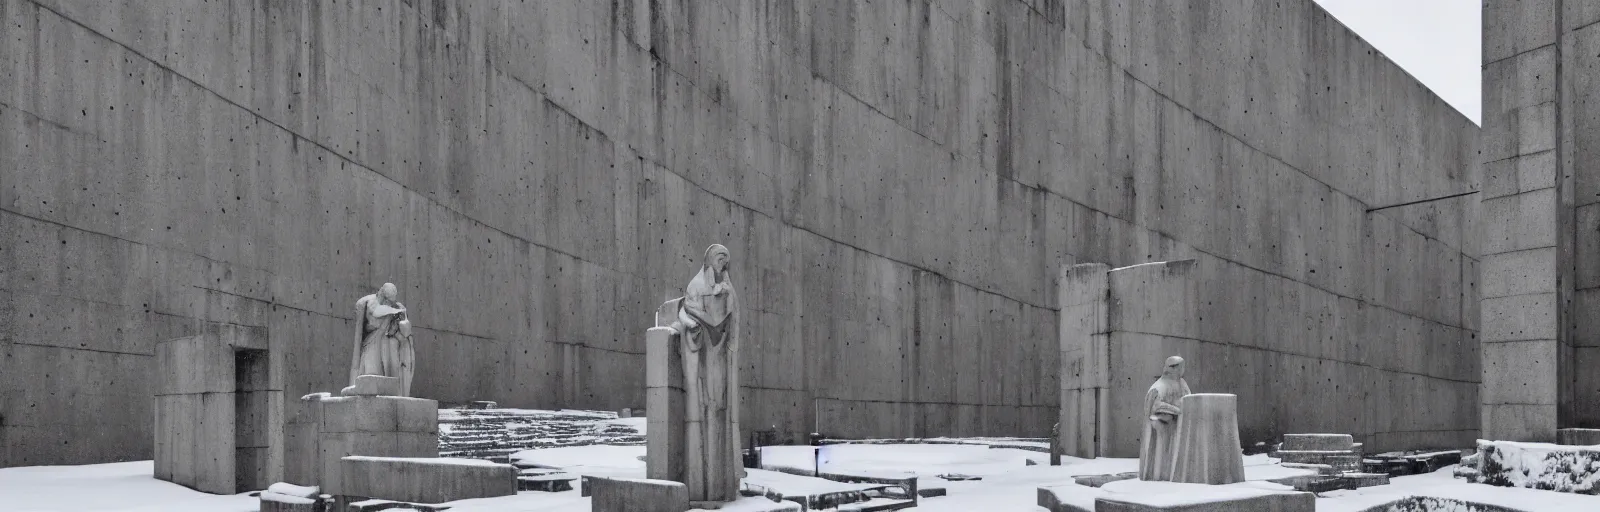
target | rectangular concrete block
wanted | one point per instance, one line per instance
(1519, 422)
(664, 405)
(1210, 500)
(1317, 442)
(1520, 372)
(636, 495)
(196, 364)
(425, 480)
(1578, 436)
(1519, 272)
(1519, 318)
(1521, 221)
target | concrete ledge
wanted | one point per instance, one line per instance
(636, 495)
(1578, 436)
(1142, 496)
(425, 480)
(1050, 500)
(1275, 502)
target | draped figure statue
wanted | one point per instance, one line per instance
(1156, 450)
(708, 326)
(383, 339)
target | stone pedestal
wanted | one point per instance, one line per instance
(664, 400)
(376, 426)
(1208, 441)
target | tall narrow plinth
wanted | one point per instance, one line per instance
(1208, 441)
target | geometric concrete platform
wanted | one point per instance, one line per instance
(425, 480)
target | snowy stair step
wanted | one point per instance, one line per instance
(878, 505)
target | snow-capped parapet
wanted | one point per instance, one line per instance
(1574, 469)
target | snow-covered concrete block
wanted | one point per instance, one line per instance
(1574, 469)
(636, 495)
(425, 480)
(1216, 501)
(1318, 442)
(377, 426)
(1068, 498)
(278, 502)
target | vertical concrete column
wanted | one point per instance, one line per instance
(1526, 272)
(664, 441)
(1151, 315)
(194, 414)
(1083, 336)
(664, 399)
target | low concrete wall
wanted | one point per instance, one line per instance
(425, 480)
(636, 495)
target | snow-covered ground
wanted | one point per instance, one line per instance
(1008, 483)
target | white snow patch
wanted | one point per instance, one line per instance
(294, 490)
(122, 486)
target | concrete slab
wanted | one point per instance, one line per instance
(1578, 436)
(425, 480)
(636, 495)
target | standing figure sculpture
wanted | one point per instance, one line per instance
(383, 339)
(1156, 451)
(708, 327)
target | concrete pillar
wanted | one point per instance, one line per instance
(664, 400)
(1541, 219)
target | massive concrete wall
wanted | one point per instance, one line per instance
(899, 181)
(1541, 197)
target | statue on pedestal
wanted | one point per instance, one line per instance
(708, 324)
(1156, 451)
(383, 339)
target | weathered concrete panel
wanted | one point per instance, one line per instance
(898, 183)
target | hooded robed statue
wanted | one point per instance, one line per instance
(1157, 450)
(383, 339)
(708, 324)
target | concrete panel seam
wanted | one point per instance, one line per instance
(1518, 54)
(1287, 353)
(318, 144)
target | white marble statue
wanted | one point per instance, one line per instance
(1156, 451)
(708, 323)
(383, 339)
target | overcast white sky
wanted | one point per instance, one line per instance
(1437, 41)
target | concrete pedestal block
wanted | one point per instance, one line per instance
(425, 480)
(1207, 442)
(1273, 502)
(1578, 436)
(664, 399)
(375, 426)
(636, 495)
(1317, 442)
